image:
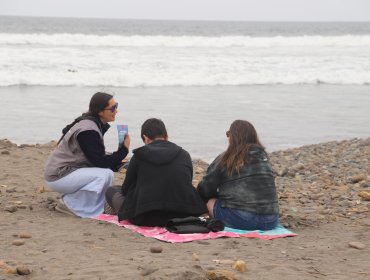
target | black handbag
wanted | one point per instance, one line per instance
(194, 225)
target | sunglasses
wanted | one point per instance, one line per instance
(113, 108)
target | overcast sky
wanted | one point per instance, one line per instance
(248, 10)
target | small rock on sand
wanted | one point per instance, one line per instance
(240, 266)
(195, 257)
(18, 242)
(11, 208)
(23, 270)
(220, 274)
(357, 245)
(148, 271)
(365, 195)
(156, 249)
(25, 235)
(10, 270)
(358, 178)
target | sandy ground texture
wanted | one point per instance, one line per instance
(324, 193)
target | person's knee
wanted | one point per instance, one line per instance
(113, 197)
(106, 175)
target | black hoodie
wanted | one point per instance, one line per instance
(159, 178)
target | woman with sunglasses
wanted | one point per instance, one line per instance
(239, 185)
(79, 167)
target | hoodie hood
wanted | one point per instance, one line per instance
(158, 152)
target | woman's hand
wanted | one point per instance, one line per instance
(127, 141)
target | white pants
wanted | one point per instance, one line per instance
(84, 190)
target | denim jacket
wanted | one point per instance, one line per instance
(253, 189)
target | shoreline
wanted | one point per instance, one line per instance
(321, 190)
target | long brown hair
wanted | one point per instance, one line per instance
(242, 135)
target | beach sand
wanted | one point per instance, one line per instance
(322, 190)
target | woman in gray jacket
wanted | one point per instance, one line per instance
(79, 167)
(239, 184)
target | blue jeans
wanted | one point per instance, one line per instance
(245, 220)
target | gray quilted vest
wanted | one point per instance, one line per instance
(68, 156)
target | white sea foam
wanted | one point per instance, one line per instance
(181, 41)
(113, 60)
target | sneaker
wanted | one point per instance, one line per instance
(109, 210)
(61, 207)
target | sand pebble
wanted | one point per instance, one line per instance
(10, 270)
(50, 199)
(17, 202)
(23, 270)
(358, 178)
(223, 261)
(220, 274)
(365, 195)
(40, 189)
(148, 271)
(156, 249)
(195, 257)
(240, 266)
(282, 172)
(11, 208)
(25, 235)
(18, 242)
(199, 170)
(357, 245)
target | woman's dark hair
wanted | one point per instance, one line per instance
(242, 135)
(153, 128)
(98, 102)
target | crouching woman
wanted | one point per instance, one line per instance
(79, 167)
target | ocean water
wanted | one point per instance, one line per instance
(299, 83)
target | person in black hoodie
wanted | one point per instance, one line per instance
(158, 184)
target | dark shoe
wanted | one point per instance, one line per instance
(61, 207)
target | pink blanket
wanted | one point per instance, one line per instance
(162, 234)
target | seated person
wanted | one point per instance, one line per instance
(239, 184)
(158, 184)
